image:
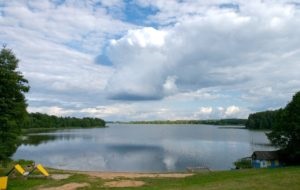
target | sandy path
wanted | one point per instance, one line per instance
(112, 175)
(129, 182)
(69, 186)
(124, 183)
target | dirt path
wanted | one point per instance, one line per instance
(124, 183)
(112, 175)
(113, 179)
(69, 186)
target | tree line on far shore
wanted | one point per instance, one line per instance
(232, 121)
(39, 120)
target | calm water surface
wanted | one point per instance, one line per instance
(124, 147)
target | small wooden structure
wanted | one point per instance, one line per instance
(265, 159)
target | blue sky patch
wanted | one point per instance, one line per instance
(127, 96)
(103, 59)
(136, 14)
(58, 2)
(233, 6)
(75, 44)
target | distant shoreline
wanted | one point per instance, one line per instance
(222, 122)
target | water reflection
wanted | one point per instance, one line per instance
(142, 148)
(37, 139)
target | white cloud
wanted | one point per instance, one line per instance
(170, 162)
(203, 113)
(232, 110)
(203, 59)
(206, 110)
(221, 112)
(146, 37)
(136, 56)
(57, 46)
(170, 85)
(218, 48)
(207, 94)
(53, 110)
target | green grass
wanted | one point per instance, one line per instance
(281, 178)
(10, 165)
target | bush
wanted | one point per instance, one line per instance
(243, 163)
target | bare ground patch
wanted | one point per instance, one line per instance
(112, 175)
(124, 183)
(60, 176)
(69, 186)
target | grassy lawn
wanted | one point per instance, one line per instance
(282, 178)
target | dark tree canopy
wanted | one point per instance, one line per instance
(286, 132)
(39, 120)
(262, 120)
(12, 102)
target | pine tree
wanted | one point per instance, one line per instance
(12, 103)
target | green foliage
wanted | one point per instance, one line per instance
(286, 133)
(24, 162)
(262, 120)
(39, 120)
(285, 126)
(243, 164)
(38, 139)
(12, 103)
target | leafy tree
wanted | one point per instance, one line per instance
(262, 120)
(12, 103)
(286, 132)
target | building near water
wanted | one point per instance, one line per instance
(265, 159)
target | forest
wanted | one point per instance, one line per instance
(208, 122)
(262, 120)
(39, 120)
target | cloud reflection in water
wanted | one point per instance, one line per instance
(142, 148)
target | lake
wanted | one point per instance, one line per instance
(143, 148)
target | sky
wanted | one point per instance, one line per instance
(124, 60)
